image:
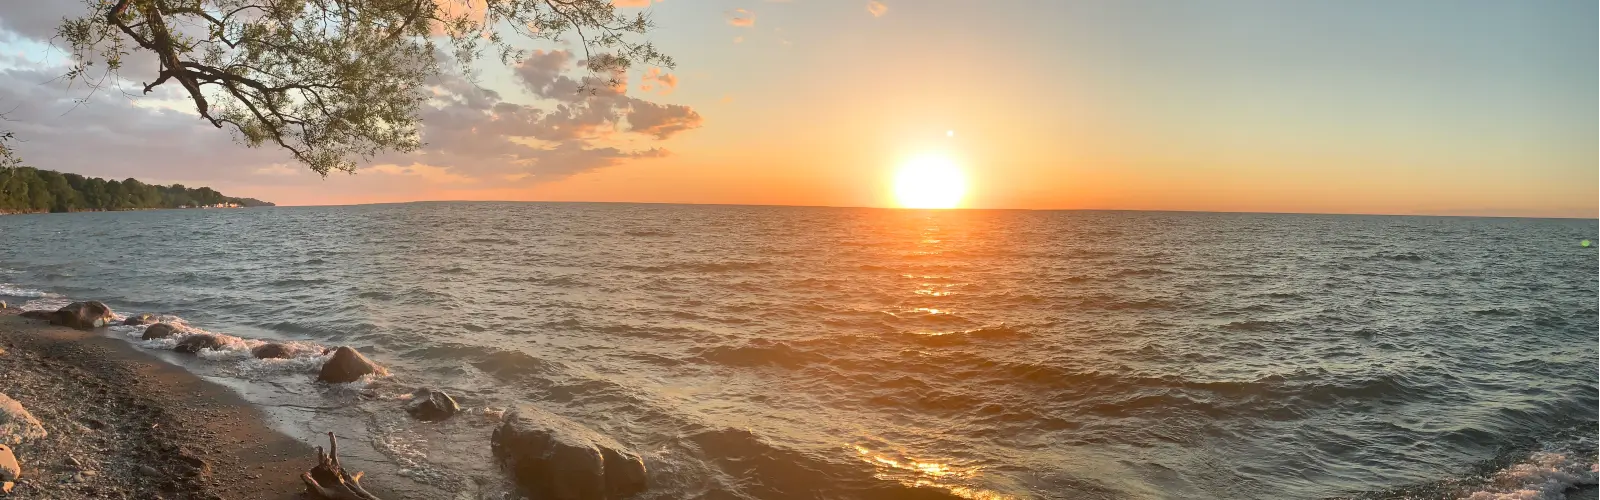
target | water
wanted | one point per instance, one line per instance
(768, 352)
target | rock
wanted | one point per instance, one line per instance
(139, 319)
(16, 424)
(2, 304)
(194, 343)
(41, 315)
(554, 458)
(158, 331)
(10, 470)
(149, 471)
(83, 315)
(347, 365)
(431, 405)
(270, 351)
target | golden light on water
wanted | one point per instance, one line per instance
(929, 181)
(926, 473)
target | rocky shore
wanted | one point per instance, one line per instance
(121, 424)
(84, 415)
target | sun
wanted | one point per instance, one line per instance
(929, 181)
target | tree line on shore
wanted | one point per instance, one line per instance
(30, 190)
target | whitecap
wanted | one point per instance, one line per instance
(14, 290)
(1543, 476)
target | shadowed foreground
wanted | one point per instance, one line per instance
(123, 424)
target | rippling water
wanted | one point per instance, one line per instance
(768, 352)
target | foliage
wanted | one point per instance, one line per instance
(332, 81)
(26, 189)
(8, 158)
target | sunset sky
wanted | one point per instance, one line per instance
(1362, 106)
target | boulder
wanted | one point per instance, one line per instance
(551, 457)
(16, 424)
(10, 470)
(139, 319)
(431, 405)
(158, 331)
(83, 315)
(347, 365)
(194, 343)
(270, 351)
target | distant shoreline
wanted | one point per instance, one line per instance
(123, 210)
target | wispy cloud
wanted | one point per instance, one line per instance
(278, 169)
(437, 175)
(876, 8)
(656, 81)
(741, 17)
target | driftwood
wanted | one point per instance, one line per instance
(329, 481)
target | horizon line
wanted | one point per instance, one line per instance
(1242, 212)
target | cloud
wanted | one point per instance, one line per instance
(432, 174)
(631, 3)
(107, 136)
(471, 135)
(738, 39)
(278, 169)
(876, 8)
(655, 80)
(505, 139)
(38, 20)
(741, 17)
(661, 120)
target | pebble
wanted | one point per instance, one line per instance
(148, 470)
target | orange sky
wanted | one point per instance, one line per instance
(1461, 108)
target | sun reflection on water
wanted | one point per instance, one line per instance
(926, 473)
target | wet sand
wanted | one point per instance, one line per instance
(125, 425)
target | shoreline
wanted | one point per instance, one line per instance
(125, 424)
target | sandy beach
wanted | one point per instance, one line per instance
(123, 424)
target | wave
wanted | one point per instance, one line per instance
(1543, 475)
(703, 267)
(1400, 257)
(234, 352)
(786, 472)
(1252, 325)
(1143, 272)
(489, 241)
(759, 353)
(987, 333)
(517, 364)
(1116, 303)
(647, 233)
(1301, 389)
(11, 290)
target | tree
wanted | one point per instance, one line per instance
(62, 197)
(26, 189)
(333, 81)
(39, 196)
